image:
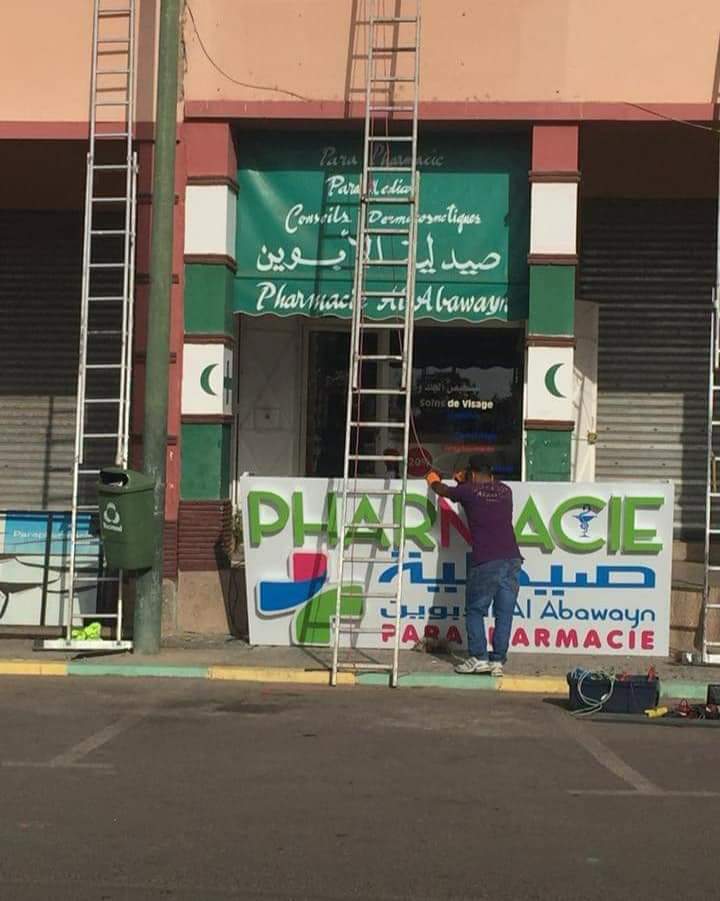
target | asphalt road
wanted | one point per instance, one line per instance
(154, 789)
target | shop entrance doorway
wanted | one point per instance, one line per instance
(467, 399)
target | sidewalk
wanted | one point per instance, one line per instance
(224, 658)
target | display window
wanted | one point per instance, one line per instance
(467, 396)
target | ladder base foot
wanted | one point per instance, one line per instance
(62, 644)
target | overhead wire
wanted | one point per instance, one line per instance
(668, 118)
(242, 84)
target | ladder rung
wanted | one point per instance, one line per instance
(402, 201)
(87, 507)
(107, 299)
(398, 326)
(372, 666)
(104, 366)
(105, 331)
(380, 357)
(364, 527)
(112, 102)
(400, 48)
(380, 561)
(100, 435)
(387, 20)
(409, 200)
(110, 14)
(347, 629)
(380, 391)
(102, 400)
(108, 231)
(354, 492)
(712, 606)
(106, 265)
(386, 263)
(114, 167)
(370, 293)
(391, 109)
(92, 579)
(390, 457)
(713, 531)
(111, 134)
(392, 78)
(79, 615)
(387, 231)
(388, 169)
(108, 199)
(714, 568)
(113, 72)
(390, 138)
(88, 472)
(113, 40)
(378, 425)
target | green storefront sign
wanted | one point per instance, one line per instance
(297, 227)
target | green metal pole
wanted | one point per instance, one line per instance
(148, 601)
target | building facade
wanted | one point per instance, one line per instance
(565, 264)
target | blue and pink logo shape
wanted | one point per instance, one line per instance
(308, 574)
(303, 594)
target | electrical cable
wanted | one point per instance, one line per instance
(242, 84)
(592, 705)
(289, 93)
(653, 112)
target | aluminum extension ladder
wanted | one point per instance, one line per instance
(392, 73)
(102, 421)
(710, 616)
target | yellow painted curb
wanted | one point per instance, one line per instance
(276, 674)
(552, 685)
(30, 668)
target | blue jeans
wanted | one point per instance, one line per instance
(496, 583)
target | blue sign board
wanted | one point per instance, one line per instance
(27, 533)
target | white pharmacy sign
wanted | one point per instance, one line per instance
(596, 575)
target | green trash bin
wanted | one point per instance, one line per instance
(126, 517)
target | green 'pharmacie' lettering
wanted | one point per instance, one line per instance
(623, 535)
(614, 524)
(366, 523)
(634, 540)
(302, 528)
(419, 533)
(564, 540)
(258, 529)
(530, 517)
(361, 527)
(268, 514)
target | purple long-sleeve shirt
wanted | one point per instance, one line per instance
(488, 507)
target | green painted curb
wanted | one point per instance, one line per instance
(692, 691)
(81, 668)
(432, 680)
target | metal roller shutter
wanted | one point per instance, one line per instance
(40, 273)
(650, 266)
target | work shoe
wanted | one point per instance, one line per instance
(473, 665)
(496, 668)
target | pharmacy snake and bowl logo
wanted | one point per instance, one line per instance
(309, 595)
(584, 518)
